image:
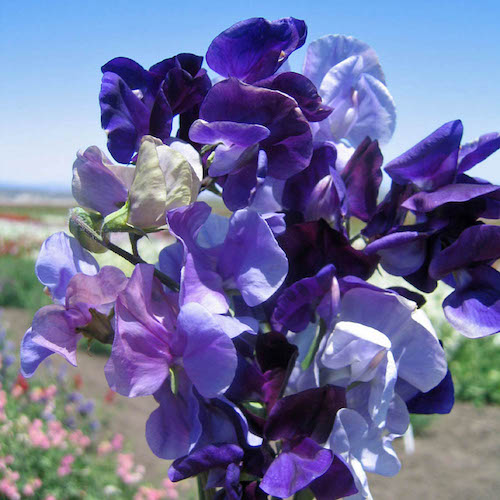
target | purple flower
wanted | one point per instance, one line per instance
(254, 130)
(60, 258)
(240, 254)
(350, 80)
(255, 49)
(153, 337)
(312, 245)
(98, 184)
(136, 102)
(71, 275)
(56, 328)
(300, 421)
(297, 304)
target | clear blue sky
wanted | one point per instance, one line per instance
(441, 61)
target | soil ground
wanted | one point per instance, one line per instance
(457, 457)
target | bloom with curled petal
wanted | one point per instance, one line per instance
(240, 253)
(255, 131)
(136, 102)
(56, 328)
(350, 80)
(255, 48)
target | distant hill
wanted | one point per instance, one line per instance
(34, 196)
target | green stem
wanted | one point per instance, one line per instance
(320, 333)
(134, 239)
(166, 280)
(204, 494)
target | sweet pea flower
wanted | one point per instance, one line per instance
(136, 102)
(165, 350)
(166, 176)
(349, 79)
(254, 49)
(219, 254)
(447, 241)
(82, 299)
(255, 132)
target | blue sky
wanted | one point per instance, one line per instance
(441, 62)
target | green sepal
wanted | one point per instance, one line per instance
(91, 219)
(100, 327)
(255, 408)
(117, 222)
(174, 382)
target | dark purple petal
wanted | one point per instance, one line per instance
(452, 193)
(135, 76)
(209, 357)
(302, 90)
(192, 64)
(232, 486)
(173, 428)
(209, 457)
(475, 152)
(31, 354)
(297, 304)
(255, 48)
(184, 90)
(389, 215)
(289, 147)
(475, 244)
(253, 492)
(298, 189)
(252, 258)
(401, 253)
(438, 400)
(336, 482)
(474, 307)
(432, 163)
(295, 469)
(160, 119)
(308, 413)
(312, 245)
(239, 186)
(276, 358)
(362, 177)
(124, 117)
(273, 351)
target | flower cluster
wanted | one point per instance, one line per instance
(277, 366)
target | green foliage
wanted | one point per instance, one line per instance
(475, 368)
(19, 287)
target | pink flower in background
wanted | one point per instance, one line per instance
(104, 448)
(170, 489)
(126, 471)
(65, 467)
(28, 490)
(117, 442)
(147, 493)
